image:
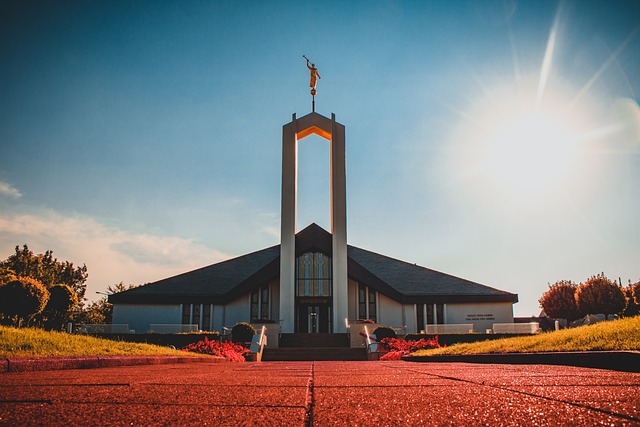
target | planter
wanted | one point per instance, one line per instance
(358, 339)
(272, 333)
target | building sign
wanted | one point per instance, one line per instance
(480, 316)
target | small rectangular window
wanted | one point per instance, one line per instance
(255, 305)
(196, 315)
(419, 317)
(186, 314)
(440, 313)
(372, 305)
(206, 317)
(264, 303)
(430, 318)
(362, 301)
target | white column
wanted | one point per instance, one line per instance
(288, 226)
(339, 224)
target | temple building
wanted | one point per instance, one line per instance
(313, 281)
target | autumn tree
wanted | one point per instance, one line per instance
(47, 270)
(57, 312)
(101, 311)
(632, 294)
(559, 301)
(600, 295)
(97, 312)
(636, 292)
(6, 274)
(21, 298)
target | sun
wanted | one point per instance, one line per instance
(529, 150)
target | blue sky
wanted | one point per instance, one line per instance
(495, 141)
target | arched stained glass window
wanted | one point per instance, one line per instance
(313, 275)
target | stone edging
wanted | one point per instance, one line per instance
(625, 361)
(89, 362)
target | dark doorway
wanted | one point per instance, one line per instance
(313, 318)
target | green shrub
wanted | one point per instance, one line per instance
(58, 309)
(383, 332)
(22, 298)
(242, 332)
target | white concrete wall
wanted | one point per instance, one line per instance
(389, 312)
(409, 313)
(482, 315)
(238, 310)
(140, 316)
(217, 318)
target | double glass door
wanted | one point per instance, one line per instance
(313, 318)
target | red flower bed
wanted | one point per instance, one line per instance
(230, 351)
(399, 347)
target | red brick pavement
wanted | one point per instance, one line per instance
(321, 393)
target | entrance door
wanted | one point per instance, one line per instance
(313, 318)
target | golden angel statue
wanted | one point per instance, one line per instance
(313, 75)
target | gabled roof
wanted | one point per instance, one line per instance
(216, 283)
(415, 284)
(222, 282)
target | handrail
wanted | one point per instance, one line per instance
(256, 347)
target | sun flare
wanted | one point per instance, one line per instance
(530, 150)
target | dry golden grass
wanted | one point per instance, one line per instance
(623, 334)
(29, 342)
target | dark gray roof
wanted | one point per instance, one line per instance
(225, 281)
(419, 284)
(215, 283)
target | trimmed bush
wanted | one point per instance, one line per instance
(22, 298)
(383, 332)
(57, 310)
(242, 332)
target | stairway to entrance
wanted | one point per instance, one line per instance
(308, 347)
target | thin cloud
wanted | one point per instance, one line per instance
(112, 255)
(8, 190)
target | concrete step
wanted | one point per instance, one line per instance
(313, 353)
(313, 340)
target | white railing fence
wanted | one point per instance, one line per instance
(106, 328)
(516, 328)
(171, 328)
(450, 328)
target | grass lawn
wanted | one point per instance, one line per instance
(623, 334)
(29, 342)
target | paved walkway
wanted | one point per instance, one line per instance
(321, 394)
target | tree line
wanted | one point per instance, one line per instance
(597, 295)
(38, 290)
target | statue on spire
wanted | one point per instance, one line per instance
(313, 75)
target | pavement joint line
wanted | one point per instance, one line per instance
(308, 419)
(67, 385)
(566, 402)
(26, 401)
(379, 386)
(223, 385)
(216, 405)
